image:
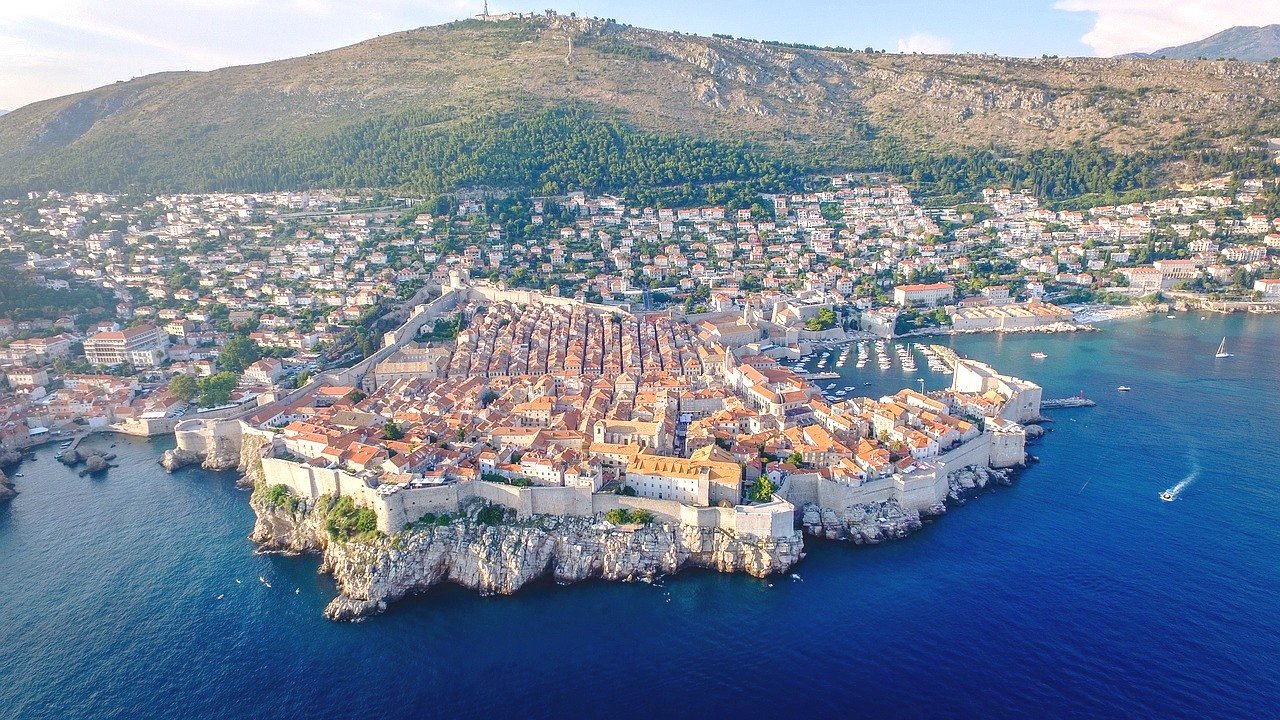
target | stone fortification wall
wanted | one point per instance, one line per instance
(407, 505)
(1008, 447)
(920, 490)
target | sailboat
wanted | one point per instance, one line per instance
(1222, 350)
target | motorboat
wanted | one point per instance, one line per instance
(1167, 496)
(1039, 355)
(1124, 388)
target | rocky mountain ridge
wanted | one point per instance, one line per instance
(1243, 42)
(826, 106)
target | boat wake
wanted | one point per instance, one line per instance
(1172, 493)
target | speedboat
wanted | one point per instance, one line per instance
(1124, 388)
(262, 580)
(1167, 496)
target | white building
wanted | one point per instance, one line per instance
(923, 295)
(143, 346)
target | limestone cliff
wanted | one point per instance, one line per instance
(177, 458)
(504, 557)
(874, 523)
(7, 491)
(223, 452)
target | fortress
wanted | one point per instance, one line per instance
(513, 374)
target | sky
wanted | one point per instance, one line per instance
(50, 48)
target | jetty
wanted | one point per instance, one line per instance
(1068, 402)
(820, 376)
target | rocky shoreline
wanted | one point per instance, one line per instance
(876, 523)
(372, 572)
(7, 490)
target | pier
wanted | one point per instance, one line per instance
(1069, 402)
(820, 376)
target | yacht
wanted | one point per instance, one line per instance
(1167, 496)
(1222, 350)
(1039, 355)
(1124, 388)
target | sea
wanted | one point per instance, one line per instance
(1075, 593)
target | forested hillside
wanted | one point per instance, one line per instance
(504, 106)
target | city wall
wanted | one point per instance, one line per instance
(919, 490)
(405, 505)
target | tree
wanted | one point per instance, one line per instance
(824, 320)
(184, 388)
(216, 389)
(239, 353)
(795, 458)
(763, 490)
(392, 431)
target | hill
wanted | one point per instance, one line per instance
(1243, 42)
(504, 104)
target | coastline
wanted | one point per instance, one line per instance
(500, 558)
(374, 571)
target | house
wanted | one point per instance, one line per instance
(264, 372)
(142, 346)
(1269, 287)
(923, 295)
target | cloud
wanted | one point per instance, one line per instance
(924, 43)
(1122, 26)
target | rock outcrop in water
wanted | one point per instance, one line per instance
(176, 458)
(502, 558)
(7, 491)
(9, 458)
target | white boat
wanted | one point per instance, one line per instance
(1039, 355)
(1172, 317)
(1167, 496)
(219, 597)
(1222, 350)
(262, 580)
(1124, 388)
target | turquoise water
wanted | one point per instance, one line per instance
(1075, 593)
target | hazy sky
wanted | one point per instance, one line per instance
(54, 47)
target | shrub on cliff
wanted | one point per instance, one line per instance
(641, 517)
(491, 514)
(278, 496)
(345, 520)
(620, 516)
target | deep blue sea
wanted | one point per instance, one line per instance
(1074, 593)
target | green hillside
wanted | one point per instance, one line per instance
(504, 105)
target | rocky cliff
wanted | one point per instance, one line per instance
(222, 451)
(504, 557)
(7, 491)
(875, 523)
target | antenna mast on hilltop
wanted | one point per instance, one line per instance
(568, 59)
(486, 9)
